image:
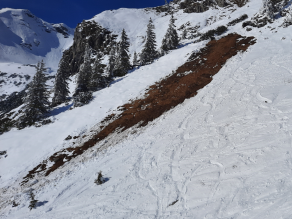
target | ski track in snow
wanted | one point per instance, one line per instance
(217, 162)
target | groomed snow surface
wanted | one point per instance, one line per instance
(225, 153)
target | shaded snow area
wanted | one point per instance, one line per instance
(225, 153)
(26, 39)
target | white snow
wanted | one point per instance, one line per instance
(135, 21)
(225, 153)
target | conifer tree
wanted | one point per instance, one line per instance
(170, 40)
(61, 90)
(84, 72)
(123, 60)
(135, 60)
(112, 60)
(149, 52)
(36, 103)
(82, 94)
(33, 201)
(100, 179)
(97, 81)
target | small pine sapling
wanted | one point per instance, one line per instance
(100, 179)
(14, 204)
(33, 201)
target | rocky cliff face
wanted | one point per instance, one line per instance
(190, 6)
(99, 38)
(92, 33)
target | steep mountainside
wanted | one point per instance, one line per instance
(202, 132)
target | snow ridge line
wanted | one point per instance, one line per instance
(192, 76)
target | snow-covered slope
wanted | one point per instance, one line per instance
(225, 153)
(27, 39)
(135, 21)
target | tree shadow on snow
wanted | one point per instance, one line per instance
(105, 179)
(118, 79)
(38, 204)
(184, 44)
(59, 110)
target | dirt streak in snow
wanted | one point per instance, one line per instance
(196, 73)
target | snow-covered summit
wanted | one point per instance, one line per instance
(26, 38)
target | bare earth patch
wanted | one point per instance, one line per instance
(196, 73)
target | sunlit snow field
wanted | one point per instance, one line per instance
(225, 153)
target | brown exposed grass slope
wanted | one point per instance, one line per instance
(196, 73)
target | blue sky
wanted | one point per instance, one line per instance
(72, 12)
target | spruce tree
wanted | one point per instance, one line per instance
(84, 72)
(100, 179)
(36, 103)
(123, 60)
(82, 94)
(33, 201)
(61, 90)
(149, 52)
(170, 40)
(97, 80)
(112, 60)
